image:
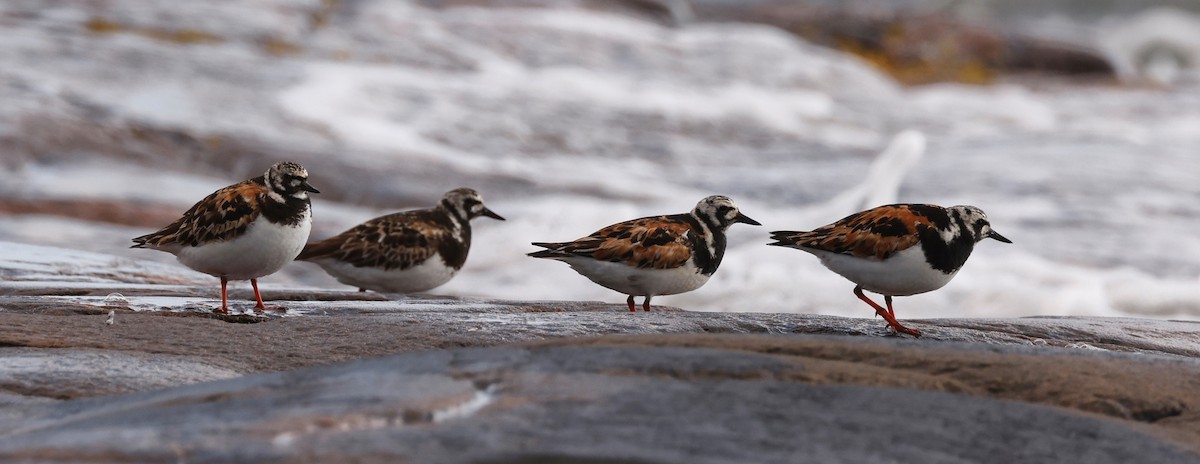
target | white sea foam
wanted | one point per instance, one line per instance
(1160, 44)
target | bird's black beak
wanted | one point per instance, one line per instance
(490, 213)
(305, 186)
(746, 220)
(999, 237)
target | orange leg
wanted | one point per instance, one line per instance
(632, 308)
(260, 306)
(888, 299)
(887, 315)
(224, 309)
(646, 304)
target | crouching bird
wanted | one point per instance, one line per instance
(405, 252)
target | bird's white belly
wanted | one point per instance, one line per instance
(905, 273)
(264, 249)
(422, 277)
(639, 282)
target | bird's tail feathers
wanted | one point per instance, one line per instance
(784, 237)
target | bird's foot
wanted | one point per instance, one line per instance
(259, 309)
(899, 329)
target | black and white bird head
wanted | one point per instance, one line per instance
(719, 211)
(289, 179)
(467, 204)
(976, 223)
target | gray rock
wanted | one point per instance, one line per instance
(565, 404)
(590, 382)
(74, 373)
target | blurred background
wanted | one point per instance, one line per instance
(1075, 124)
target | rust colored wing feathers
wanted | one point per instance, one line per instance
(877, 233)
(223, 215)
(648, 243)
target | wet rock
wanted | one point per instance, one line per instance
(586, 381)
(651, 404)
(73, 373)
(116, 212)
(915, 43)
(920, 45)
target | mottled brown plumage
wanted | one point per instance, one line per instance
(407, 252)
(223, 215)
(876, 233)
(659, 242)
(657, 255)
(395, 241)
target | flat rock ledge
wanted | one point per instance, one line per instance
(352, 377)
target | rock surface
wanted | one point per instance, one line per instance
(586, 382)
(631, 399)
(364, 377)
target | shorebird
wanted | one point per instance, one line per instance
(651, 256)
(896, 250)
(407, 252)
(244, 231)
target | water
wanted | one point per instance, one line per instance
(571, 120)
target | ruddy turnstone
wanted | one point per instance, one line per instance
(244, 231)
(651, 256)
(896, 250)
(405, 252)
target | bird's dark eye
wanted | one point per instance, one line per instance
(724, 210)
